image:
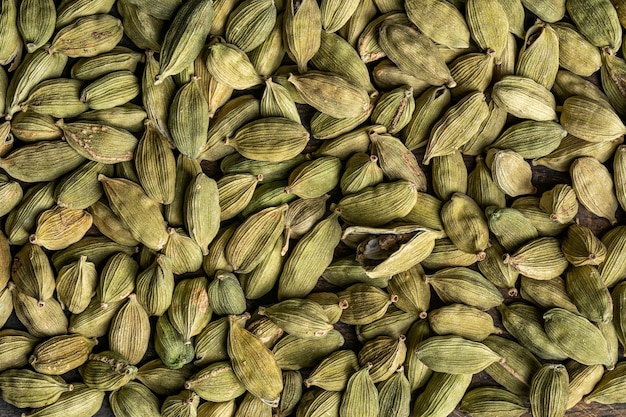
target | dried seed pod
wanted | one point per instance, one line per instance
(594, 188)
(496, 271)
(19, 163)
(293, 353)
(590, 119)
(525, 323)
(442, 394)
(540, 258)
(566, 329)
(60, 354)
(414, 53)
(76, 284)
(25, 388)
(254, 364)
(170, 345)
(129, 333)
(440, 21)
(510, 227)
(87, 36)
(519, 365)
(483, 401)
(428, 107)
(549, 390)
(361, 396)
(582, 247)
(466, 286)
(190, 310)
(337, 56)
(303, 27)
(140, 213)
(465, 224)
(183, 41)
(546, 293)
(589, 294)
(396, 160)
(461, 320)
(333, 372)
(525, 98)
(459, 123)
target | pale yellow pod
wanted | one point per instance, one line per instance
(594, 188)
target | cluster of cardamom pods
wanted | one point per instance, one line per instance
(333, 208)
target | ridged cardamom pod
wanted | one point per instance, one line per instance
(524, 98)
(162, 380)
(591, 120)
(170, 345)
(184, 403)
(185, 38)
(299, 317)
(15, 348)
(129, 333)
(331, 94)
(254, 364)
(62, 158)
(549, 390)
(576, 53)
(361, 396)
(546, 293)
(366, 303)
(442, 394)
(299, 275)
(337, 56)
(141, 214)
(582, 247)
(510, 172)
(485, 400)
(95, 319)
(378, 205)
(231, 66)
(271, 139)
(32, 273)
(458, 124)
(314, 178)
(481, 17)
(589, 294)
(303, 27)
(60, 354)
(226, 295)
(476, 355)
(249, 243)
(81, 188)
(250, 23)
(440, 21)
(414, 53)
(598, 21)
(396, 160)
(518, 367)
(88, 36)
(76, 284)
(25, 388)
(59, 227)
(135, 400)
(117, 279)
(461, 320)
(190, 311)
(594, 187)
(466, 286)
(609, 388)
(428, 107)
(525, 323)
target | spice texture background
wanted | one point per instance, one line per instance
(456, 104)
